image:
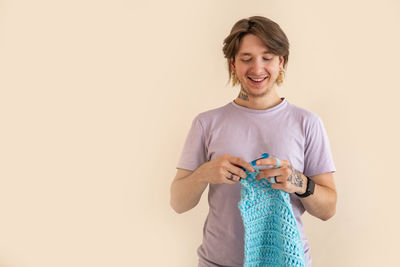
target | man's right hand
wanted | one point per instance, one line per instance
(220, 170)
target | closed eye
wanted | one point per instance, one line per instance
(248, 60)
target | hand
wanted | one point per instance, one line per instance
(287, 178)
(220, 170)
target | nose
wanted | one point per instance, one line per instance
(258, 67)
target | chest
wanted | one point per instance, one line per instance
(284, 139)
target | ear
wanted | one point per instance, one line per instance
(232, 63)
(281, 62)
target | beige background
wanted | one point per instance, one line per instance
(97, 98)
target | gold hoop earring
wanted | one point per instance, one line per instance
(281, 76)
(235, 79)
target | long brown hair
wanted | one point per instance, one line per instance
(267, 30)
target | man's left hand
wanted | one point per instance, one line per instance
(287, 178)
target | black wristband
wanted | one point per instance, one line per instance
(309, 189)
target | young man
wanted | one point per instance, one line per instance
(224, 139)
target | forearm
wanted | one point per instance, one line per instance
(186, 192)
(321, 204)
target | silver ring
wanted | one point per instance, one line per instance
(273, 181)
(231, 178)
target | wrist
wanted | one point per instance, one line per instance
(303, 187)
(307, 188)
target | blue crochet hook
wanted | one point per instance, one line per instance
(263, 156)
(253, 163)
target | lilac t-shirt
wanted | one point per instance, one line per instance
(284, 131)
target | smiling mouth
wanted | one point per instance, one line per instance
(257, 81)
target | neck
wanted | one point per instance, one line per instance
(263, 102)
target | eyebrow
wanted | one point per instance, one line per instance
(249, 54)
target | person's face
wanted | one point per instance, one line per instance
(253, 61)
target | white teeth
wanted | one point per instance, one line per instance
(258, 80)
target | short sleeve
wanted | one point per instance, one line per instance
(317, 154)
(194, 150)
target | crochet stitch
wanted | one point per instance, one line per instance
(272, 237)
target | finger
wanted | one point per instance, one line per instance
(271, 179)
(235, 178)
(279, 179)
(230, 178)
(265, 173)
(241, 162)
(272, 161)
(236, 170)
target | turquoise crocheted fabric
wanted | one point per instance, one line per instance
(272, 237)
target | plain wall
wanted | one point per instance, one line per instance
(97, 97)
